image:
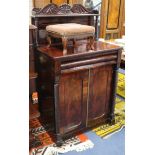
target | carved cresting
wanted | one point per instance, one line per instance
(48, 9)
(78, 8)
(65, 9)
(53, 9)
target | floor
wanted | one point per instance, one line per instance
(114, 145)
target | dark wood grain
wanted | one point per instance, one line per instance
(79, 86)
(73, 100)
(100, 48)
(100, 88)
(53, 9)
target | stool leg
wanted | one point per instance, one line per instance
(92, 42)
(64, 42)
(88, 45)
(49, 41)
(74, 43)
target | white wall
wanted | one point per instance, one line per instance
(30, 9)
(30, 6)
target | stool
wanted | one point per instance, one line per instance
(71, 31)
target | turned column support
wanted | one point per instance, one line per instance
(114, 87)
(113, 95)
(59, 140)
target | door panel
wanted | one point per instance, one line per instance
(113, 14)
(59, 2)
(40, 3)
(111, 19)
(73, 91)
(75, 2)
(100, 89)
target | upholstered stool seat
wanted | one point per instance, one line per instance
(71, 31)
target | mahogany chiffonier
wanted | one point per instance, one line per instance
(80, 85)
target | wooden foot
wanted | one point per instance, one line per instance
(59, 141)
(64, 42)
(112, 120)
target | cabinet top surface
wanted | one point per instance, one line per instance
(80, 50)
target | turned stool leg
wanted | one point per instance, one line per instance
(88, 45)
(49, 41)
(64, 42)
(74, 43)
(92, 43)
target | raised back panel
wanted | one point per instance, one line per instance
(65, 13)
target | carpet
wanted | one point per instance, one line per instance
(114, 145)
(43, 142)
(107, 130)
(121, 85)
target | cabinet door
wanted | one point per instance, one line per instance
(99, 93)
(73, 92)
(112, 18)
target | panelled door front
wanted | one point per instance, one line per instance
(73, 93)
(99, 92)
